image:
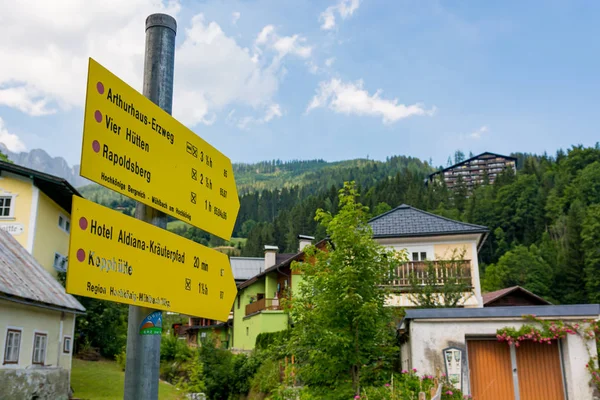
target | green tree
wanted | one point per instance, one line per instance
(520, 266)
(103, 326)
(381, 208)
(4, 157)
(340, 323)
(591, 248)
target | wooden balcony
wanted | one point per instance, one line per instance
(442, 270)
(263, 304)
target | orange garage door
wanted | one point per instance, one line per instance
(540, 374)
(538, 369)
(490, 370)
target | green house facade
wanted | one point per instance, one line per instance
(259, 306)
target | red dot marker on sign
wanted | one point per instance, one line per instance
(81, 255)
(96, 146)
(100, 87)
(83, 223)
(98, 116)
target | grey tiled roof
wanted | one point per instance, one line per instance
(575, 310)
(23, 279)
(405, 221)
(244, 268)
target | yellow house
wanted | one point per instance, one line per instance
(37, 325)
(431, 239)
(35, 209)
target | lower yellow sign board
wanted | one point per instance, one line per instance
(118, 258)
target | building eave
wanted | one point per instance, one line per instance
(32, 303)
(275, 267)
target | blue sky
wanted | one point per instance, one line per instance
(331, 79)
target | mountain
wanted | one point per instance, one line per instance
(39, 160)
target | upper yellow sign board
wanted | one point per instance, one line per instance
(118, 258)
(132, 146)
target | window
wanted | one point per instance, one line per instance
(39, 348)
(67, 345)
(12, 346)
(420, 253)
(419, 256)
(203, 337)
(60, 262)
(6, 205)
(64, 223)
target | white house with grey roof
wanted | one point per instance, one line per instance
(37, 323)
(430, 237)
(463, 344)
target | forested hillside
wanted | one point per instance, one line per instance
(544, 220)
(266, 188)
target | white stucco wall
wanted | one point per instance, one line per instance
(429, 338)
(31, 319)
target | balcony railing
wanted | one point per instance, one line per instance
(263, 304)
(442, 270)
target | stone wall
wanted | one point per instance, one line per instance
(34, 384)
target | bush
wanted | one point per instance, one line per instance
(244, 369)
(171, 371)
(218, 370)
(268, 339)
(173, 349)
(121, 359)
(192, 380)
(267, 378)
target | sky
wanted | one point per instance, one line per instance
(328, 79)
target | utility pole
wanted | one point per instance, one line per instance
(143, 351)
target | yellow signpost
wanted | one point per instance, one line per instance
(119, 258)
(133, 147)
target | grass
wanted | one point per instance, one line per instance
(103, 380)
(175, 224)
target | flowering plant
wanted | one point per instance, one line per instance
(407, 385)
(547, 331)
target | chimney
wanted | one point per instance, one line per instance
(304, 241)
(270, 255)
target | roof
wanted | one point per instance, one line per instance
(244, 268)
(58, 189)
(278, 264)
(407, 221)
(487, 153)
(573, 310)
(493, 296)
(24, 280)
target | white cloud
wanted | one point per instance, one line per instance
(50, 43)
(345, 8)
(235, 17)
(476, 134)
(212, 71)
(351, 98)
(26, 99)
(10, 140)
(329, 62)
(273, 111)
(283, 45)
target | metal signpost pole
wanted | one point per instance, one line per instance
(143, 351)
